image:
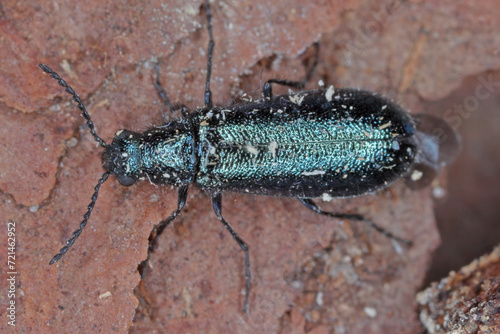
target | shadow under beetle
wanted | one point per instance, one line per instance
(325, 143)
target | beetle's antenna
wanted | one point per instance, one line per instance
(70, 90)
(211, 44)
(86, 217)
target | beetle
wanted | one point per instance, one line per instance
(325, 143)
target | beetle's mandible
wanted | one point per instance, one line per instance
(326, 143)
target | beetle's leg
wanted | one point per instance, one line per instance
(211, 44)
(217, 204)
(163, 96)
(311, 70)
(267, 90)
(312, 206)
(161, 91)
(160, 227)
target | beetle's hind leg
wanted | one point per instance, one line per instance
(267, 90)
(161, 226)
(217, 204)
(309, 203)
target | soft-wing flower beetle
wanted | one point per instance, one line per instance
(325, 143)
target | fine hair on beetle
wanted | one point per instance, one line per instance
(325, 143)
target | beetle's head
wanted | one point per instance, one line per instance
(121, 157)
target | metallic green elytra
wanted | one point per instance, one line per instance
(305, 145)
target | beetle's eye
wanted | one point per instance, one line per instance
(126, 181)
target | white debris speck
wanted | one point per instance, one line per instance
(272, 148)
(386, 125)
(314, 172)
(245, 97)
(105, 295)
(395, 145)
(321, 83)
(154, 198)
(211, 150)
(326, 197)
(297, 99)
(329, 93)
(397, 247)
(438, 192)
(416, 175)
(383, 107)
(251, 149)
(319, 298)
(370, 311)
(67, 68)
(72, 142)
